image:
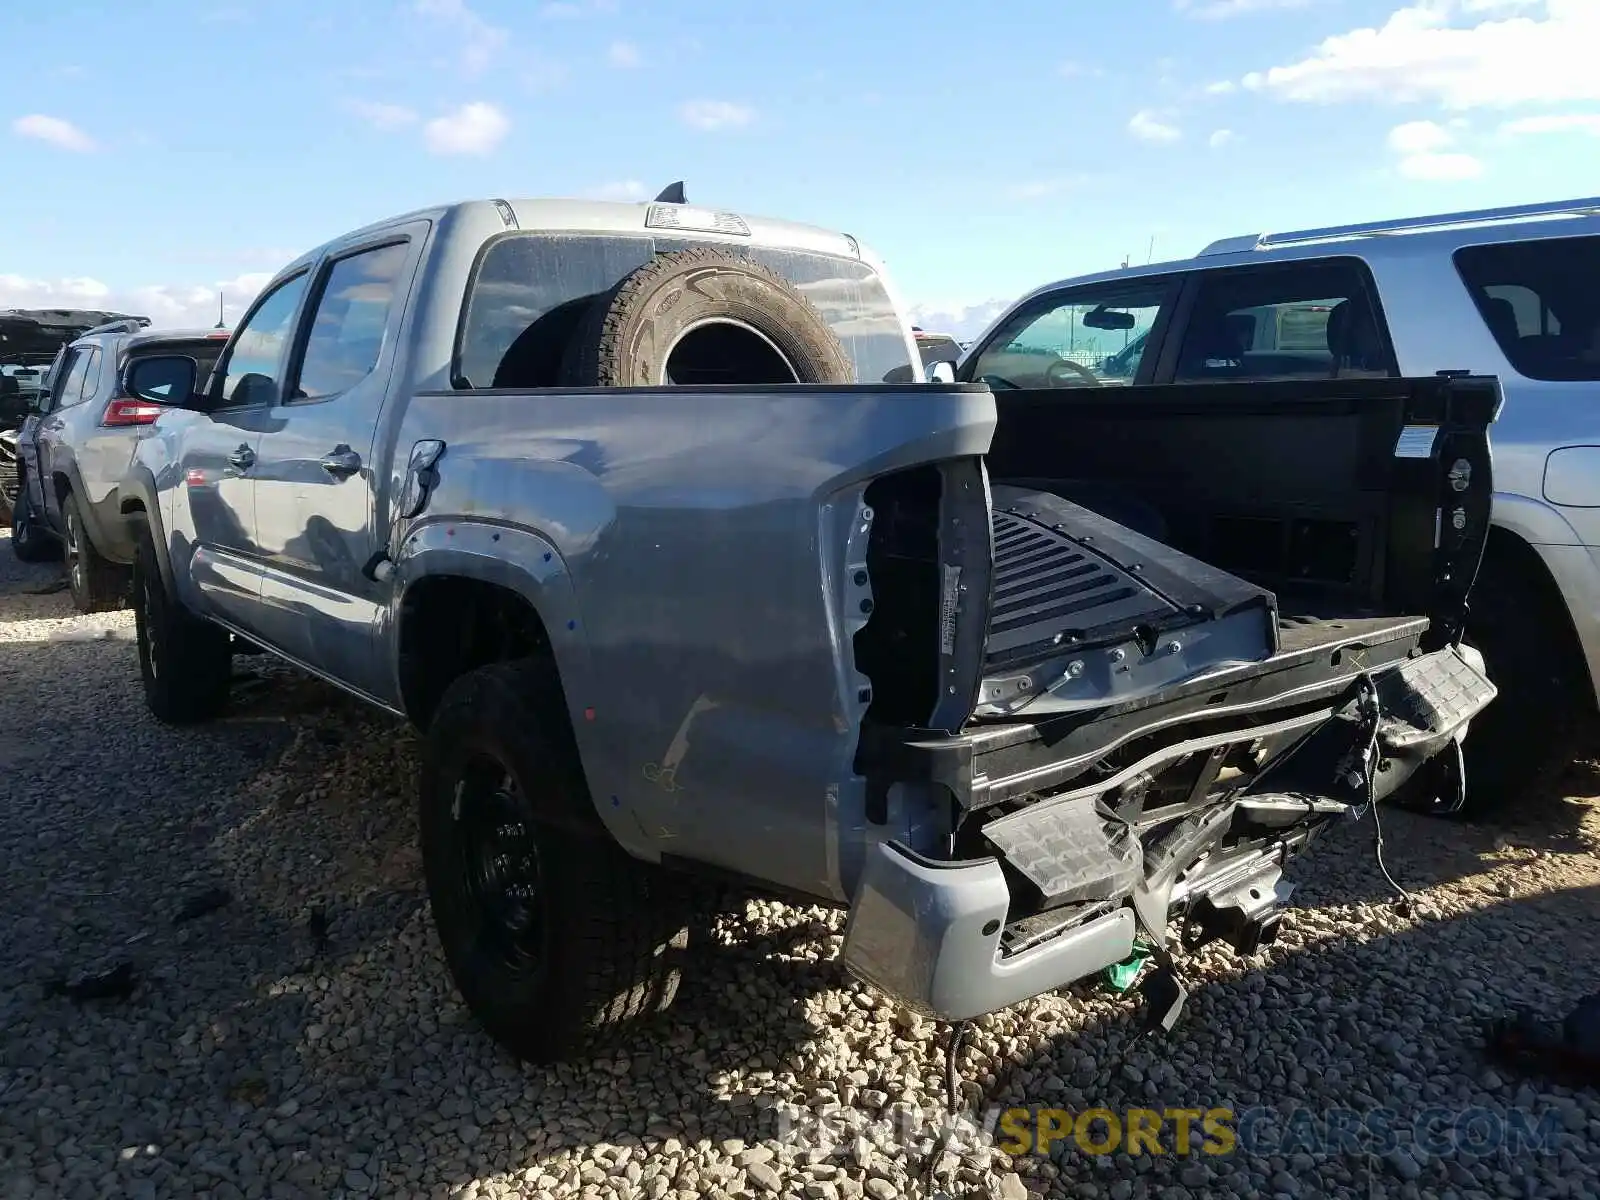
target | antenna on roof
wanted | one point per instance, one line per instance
(672, 194)
(221, 324)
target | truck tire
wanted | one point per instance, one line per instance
(1525, 635)
(97, 585)
(699, 317)
(559, 942)
(184, 661)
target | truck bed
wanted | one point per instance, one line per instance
(1089, 613)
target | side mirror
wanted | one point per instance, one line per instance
(941, 372)
(162, 379)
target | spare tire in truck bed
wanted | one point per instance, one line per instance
(703, 316)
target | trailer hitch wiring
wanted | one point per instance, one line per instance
(1363, 774)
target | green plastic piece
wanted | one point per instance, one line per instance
(1122, 976)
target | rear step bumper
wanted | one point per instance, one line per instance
(941, 937)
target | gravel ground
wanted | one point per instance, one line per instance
(255, 1059)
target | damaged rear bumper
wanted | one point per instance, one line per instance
(957, 939)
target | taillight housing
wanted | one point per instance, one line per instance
(130, 411)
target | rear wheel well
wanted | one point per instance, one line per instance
(1508, 557)
(450, 625)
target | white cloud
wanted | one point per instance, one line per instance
(1419, 137)
(1425, 154)
(562, 10)
(540, 75)
(471, 129)
(1038, 189)
(1149, 127)
(1459, 54)
(1221, 88)
(55, 130)
(480, 40)
(1218, 10)
(626, 189)
(1554, 123)
(382, 116)
(623, 55)
(1441, 167)
(716, 114)
(960, 321)
(1221, 138)
(169, 306)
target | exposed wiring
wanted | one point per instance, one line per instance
(952, 1099)
(952, 1094)
(1406, 902)
(1372, 706)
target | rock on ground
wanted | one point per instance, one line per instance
(249, 1062)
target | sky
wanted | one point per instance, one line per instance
(155, 154)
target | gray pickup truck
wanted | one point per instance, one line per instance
(611, 501)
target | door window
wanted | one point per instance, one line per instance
(352, 315)
(72, 380)
(1314, 320)
(252, 372)
(1539, 301)
(1086, 337)
(88, 379)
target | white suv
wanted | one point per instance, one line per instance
(1509, 292)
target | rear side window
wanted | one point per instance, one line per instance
(78, 377)
(1540, 302)
(1314, 320)
(529, 291)
(352, 315)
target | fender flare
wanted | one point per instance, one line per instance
(66, 470)
(139, 502)
(529, 564)
(1534, 521)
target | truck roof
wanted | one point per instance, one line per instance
(545, 214)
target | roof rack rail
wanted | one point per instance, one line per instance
(124, 325)
(1517, 212)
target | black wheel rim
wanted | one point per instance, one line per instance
(498, 869)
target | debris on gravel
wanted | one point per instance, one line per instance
(302, 1038)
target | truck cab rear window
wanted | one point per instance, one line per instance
(1539, 301)
(529, 291)
(1311, 320)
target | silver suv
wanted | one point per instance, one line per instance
(75, 447)
(1509, 292)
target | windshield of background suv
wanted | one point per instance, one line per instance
(1081, 338)
(549, 280)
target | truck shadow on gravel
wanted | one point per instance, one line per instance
(1354, 1011)
(266, 1052)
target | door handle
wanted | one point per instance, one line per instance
(243, 458)
(341, 461)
